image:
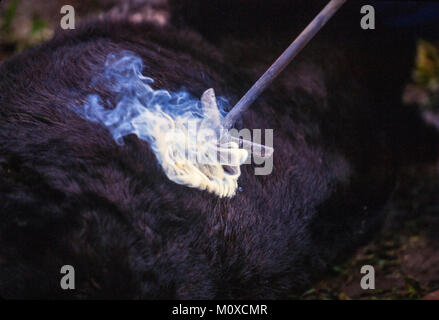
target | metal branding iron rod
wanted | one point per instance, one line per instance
(280, 64)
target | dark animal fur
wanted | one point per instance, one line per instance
(70, 195)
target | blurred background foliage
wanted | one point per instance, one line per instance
(25, 23)
(424, 90)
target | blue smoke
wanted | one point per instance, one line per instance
(135, 100)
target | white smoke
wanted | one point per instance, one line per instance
(184, 133)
